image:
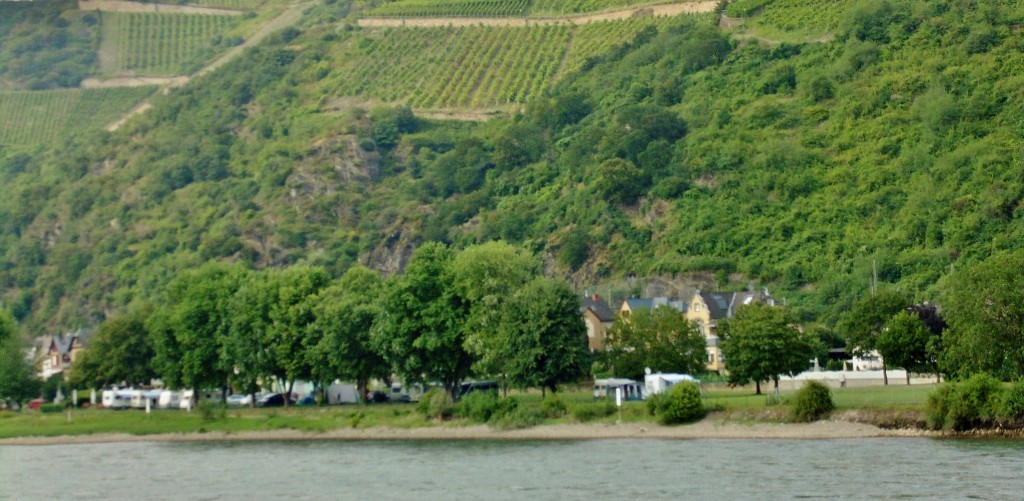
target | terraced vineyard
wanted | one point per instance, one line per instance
(159, 44)
(596, 38)
(500, 8)
(804, 15)
(544, 8)
(34, 117)
(478, 67)
(453, 8)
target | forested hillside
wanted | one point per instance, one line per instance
(798, 148)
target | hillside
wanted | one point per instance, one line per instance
(798, 147)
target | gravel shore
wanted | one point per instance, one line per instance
(708, 428)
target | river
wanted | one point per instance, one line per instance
(880, 468)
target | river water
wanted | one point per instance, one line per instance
(882, 468)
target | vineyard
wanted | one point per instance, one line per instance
(34, 117)
(803, 15)
(453, 8)
(500, 8)
(160, 44)
(474, 67)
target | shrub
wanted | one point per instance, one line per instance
(517, 417)
(478, 406)
(812, 402)
(656, 403)
(210, 411)
(51, 408)
(974, 403)
(1011, 411)
(592, 411)
(553, 407)
(683, 405)
(435, 404)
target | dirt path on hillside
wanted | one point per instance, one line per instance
(283, 20)
(95, 83)
(120, 6)
(655, 10)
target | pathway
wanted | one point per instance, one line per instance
(120, 6)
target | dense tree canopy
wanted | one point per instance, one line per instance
(120, 352)
(762, 343)
(662, 340)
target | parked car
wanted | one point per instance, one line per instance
(471, 386)
(377, 397)
(239, 400)
(271, 400)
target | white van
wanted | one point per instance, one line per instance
(116, 399)
(168, 399)
(191, 398)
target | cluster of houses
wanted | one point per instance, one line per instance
(54, 355)
(705, 309)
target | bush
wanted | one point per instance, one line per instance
(682, 405)
(974, 403)
(478, 406)
(656, 404)
(435, 404)
(553, 407)
(516, 417)
(1011, 411)
(51, 408)
(589, 412)
(210, 411)
(812, 402)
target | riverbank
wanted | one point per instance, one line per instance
(708, 428)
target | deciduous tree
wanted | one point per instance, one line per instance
(762, 343)
(662, 340)
(121, 351)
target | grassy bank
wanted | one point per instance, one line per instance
(875, 405)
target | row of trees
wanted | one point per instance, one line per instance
(485, 311)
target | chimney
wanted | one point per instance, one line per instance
(596, 297)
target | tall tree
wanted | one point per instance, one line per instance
(547, 340)
(866, 319)
(120, 351)
(18, 381)
(420, 331)
(485, 276)
(904, 343)
(762, 343)
(662, 340)
(270, 333)
(191, 325)
(984, 305)
(345, 313)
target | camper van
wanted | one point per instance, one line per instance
(605, 388)
(660, 383)
(168, 399)
(139, 398)
(191, 398)
(116, 399)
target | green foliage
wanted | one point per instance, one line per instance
(662, 340)
(435, 404)
(971, 404)
(158, 43)
(682, 404)
(478, 406)
(45, 45)
(545, 335)
(453, 8)
(762, 342)
(51, 408)
(586, 412)
(121, 351)
(516, 417)
(984, 305)
(17, 377)
(904, 342)
(864, 323)
(812, 402)
(553, 407)
(1011, 410)
(40, 117)
(656, 403)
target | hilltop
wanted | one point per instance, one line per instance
(793, 144)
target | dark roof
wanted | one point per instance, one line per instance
(600, 308)
(718, 303)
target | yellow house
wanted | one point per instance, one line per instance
(598, 317)
(707, 308)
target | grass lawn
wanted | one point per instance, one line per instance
(579, 403)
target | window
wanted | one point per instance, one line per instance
(711, 358)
